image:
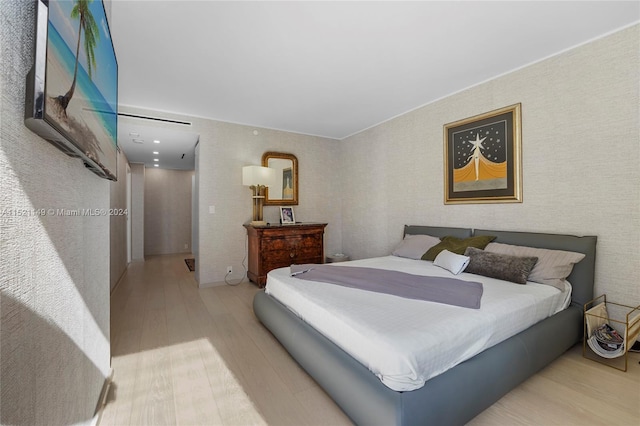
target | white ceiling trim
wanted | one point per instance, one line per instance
(496, 77)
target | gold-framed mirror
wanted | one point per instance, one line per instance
(285, 192)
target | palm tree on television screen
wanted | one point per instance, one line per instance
(91, 36)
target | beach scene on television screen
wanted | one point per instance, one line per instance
(81, 79)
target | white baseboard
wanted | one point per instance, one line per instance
(102, 400)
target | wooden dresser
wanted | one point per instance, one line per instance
(276, 246)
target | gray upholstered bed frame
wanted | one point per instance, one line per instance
(461, 393)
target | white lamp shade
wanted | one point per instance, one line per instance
(257, 175)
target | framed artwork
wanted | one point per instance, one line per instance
(287, 216)
(482, 158)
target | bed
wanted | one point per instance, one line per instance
(458, 394)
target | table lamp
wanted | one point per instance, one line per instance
(258, 178)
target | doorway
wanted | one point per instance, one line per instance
(128, 215)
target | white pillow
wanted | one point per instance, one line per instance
(414, 246)
(452, 262)
(552, 267)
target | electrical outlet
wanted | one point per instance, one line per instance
(229, 270)
(186, 246)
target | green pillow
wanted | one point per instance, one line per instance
(457, 245)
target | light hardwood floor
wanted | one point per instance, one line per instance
(188, 356)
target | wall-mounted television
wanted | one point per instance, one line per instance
(72, 88)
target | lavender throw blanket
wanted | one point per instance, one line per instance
(450, 291)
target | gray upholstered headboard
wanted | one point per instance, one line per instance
(582, 276)
(437, 231)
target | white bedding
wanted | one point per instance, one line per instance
(406, 342)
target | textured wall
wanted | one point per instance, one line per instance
(195, 214)
(581, 157)
(54, 269)
(137, 211)
(118, 222)
(223, 150)
(167, 211)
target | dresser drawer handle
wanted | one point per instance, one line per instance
(291, 255)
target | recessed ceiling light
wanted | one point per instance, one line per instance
(155, 159)
(137, 140)
(156, 141)
(156, 165)
(134, 134)
(155, 153)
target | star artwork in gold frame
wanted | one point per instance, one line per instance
(483, 160)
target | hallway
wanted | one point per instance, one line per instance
(199, 357)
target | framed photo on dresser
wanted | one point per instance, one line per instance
(286, 216)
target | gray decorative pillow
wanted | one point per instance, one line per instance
(414, 246)
(501, 266)
(553, 266)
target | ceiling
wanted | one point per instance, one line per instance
(326, 68)
(157, 144)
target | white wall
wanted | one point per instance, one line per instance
(195, 213)
(194, 210)
(54, 269)
(167, 211)
(223, 150)
(137, 211)
(118, 222)
(581, 161)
